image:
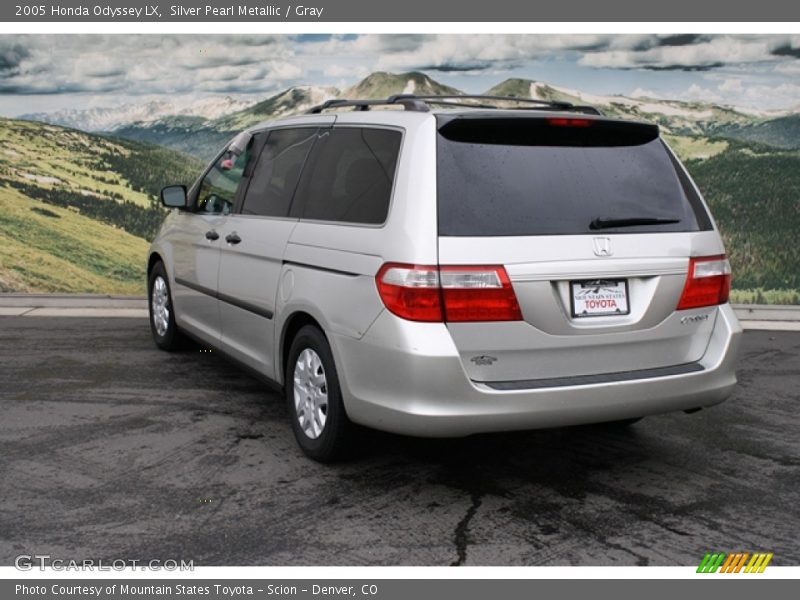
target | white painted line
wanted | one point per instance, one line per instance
(771, 325)
(762, 312)
(13, 311)
(71, 301)
(89, 312)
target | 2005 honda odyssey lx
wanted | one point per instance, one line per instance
(451, 268)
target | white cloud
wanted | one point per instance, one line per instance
(743, 93)
(702, 94)
(784, 94)
(792, 68)
(741, 68)
(349, 71)
(706, 53)
(146, 64)
(456, 52)
(733, 85)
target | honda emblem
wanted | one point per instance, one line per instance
(602, 246)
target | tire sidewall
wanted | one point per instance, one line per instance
(166, 341)
(330, 443)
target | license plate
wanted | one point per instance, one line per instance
(600, 297)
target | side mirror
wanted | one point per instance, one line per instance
(174, 196)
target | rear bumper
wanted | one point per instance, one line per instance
(407, 378)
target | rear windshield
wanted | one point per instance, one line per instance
(537, 176)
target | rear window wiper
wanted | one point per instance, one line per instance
(607, 223)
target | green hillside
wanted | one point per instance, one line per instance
(783, 132)
(54, 249)
(77, 210)
(68, 182)
(194, 136)
(527, 88)
(383, 85)
(754, 195)
(292, 101)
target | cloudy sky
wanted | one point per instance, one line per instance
(53, 72)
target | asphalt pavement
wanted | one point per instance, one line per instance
(112, 449)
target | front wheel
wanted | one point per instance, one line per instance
(162, 313)
(314, 398)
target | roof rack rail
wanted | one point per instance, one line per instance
(407, 103)
(421, 103)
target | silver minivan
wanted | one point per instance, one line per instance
(439, 266)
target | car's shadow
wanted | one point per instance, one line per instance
(599, 446)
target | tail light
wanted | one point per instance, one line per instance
(708, 282)
(448, 293)
(410, 291)
(569, 122)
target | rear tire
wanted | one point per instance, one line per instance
(319, 421)
(162, 314)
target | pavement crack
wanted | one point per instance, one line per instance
(461, 536)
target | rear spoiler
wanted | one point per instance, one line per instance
(552, 129)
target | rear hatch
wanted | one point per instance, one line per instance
(594, 222)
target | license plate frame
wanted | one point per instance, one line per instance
(599, 298)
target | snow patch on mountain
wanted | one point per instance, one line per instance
(312, 96)
(112, 118)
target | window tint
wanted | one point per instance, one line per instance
(276, 172)
(351, 175)
(534, 177)
(217, 191)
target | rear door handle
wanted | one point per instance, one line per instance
(212, 235)
(233, 238)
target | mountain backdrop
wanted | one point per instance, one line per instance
(77, 209)
(78, 188)
(111, 118)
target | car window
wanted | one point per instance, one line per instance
(350, 176)
(277, 171)
(518, 177)
(217, 191)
